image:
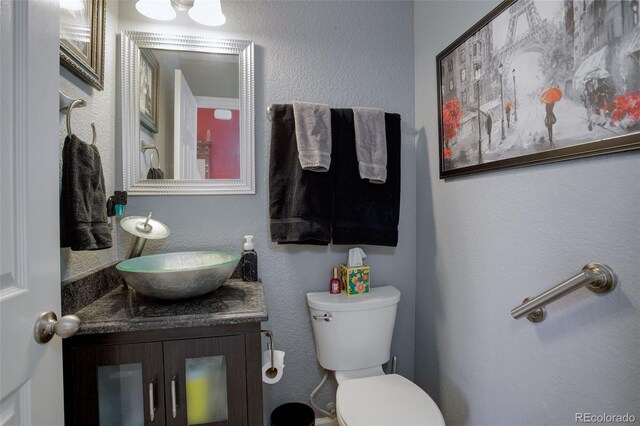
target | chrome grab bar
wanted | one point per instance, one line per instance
(597, 277)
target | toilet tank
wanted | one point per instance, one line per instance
(360, 330)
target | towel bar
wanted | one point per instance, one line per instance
(597, 277)
(67, 104)
(145, 147)
(270, 112)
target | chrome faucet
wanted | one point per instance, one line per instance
(143, 228)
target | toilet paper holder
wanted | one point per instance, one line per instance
(269, 334)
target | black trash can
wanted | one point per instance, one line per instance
(293, 414)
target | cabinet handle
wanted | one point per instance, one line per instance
(152, 402)
(174, 406)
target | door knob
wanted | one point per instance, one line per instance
(48, 324)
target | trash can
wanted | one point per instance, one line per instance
(293, 414)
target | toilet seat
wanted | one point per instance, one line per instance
(389, 400)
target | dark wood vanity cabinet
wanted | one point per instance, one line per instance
(201, 375)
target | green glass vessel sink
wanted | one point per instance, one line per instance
(178, 275)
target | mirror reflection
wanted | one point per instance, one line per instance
(189, 115)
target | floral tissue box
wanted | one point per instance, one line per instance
(355, 280)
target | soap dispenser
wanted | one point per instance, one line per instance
(249, 261)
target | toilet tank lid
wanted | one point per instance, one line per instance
(378, 297)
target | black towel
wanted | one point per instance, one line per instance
(155, 173)
(83, 212)
(300, 201)
(364, 213)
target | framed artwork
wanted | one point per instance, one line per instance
(149, 68)
(82, 26)
(538, 81)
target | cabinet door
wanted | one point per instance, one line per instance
(205, 381)
(117, 385)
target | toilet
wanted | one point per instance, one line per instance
(353, 339)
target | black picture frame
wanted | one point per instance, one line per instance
(149, 74)
(477, 42)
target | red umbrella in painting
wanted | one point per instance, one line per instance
(551, 95)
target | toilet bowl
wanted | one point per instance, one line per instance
(385, 400)
(353, 339)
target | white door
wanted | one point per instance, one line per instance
(30, 373)
(185, 130)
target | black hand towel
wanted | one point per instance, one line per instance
(155, 173)
(83, 213)
(300, 201)
(364, 213)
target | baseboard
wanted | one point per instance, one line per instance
(326, 421)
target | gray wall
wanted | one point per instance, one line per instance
(486, 241)
(101, 110)
(329, 52)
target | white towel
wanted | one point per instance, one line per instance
(371, 143)
(313, 135)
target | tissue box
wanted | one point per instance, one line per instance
(355, 280)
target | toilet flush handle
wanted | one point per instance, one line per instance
(327, 316)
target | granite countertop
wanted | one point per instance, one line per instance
(124, 309)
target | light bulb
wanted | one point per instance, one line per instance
(160, 10)
(72, 4)
(207, 12)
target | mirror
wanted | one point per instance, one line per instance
(187, 115)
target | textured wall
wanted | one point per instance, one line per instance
(101, 110)
(486, 241)
(330, 52)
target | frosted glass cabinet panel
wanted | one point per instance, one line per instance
(209, 376)
(120, 395)
(206, 390)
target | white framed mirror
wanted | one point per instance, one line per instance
(187, 107)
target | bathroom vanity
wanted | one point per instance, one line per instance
(137, 360)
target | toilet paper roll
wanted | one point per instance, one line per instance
(270, 376)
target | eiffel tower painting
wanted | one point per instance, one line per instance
(536, 35)
(537, 77)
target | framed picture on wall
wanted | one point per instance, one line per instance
(82, 26)
(149, 69)
(538, 81)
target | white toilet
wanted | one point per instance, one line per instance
(353, 339)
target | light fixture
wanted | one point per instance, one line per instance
(72, 5)
(205, 12)
(160, 10)
(222, 114)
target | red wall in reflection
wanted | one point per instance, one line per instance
(225, 143)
